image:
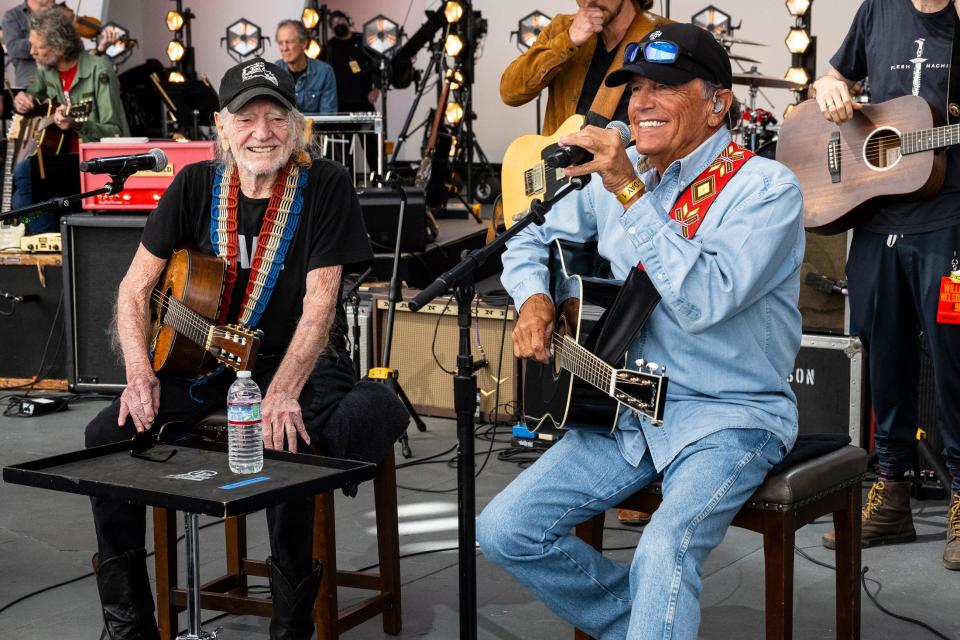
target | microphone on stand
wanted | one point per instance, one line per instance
(153, 160)
(574, 155)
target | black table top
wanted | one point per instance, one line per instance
(110, 471)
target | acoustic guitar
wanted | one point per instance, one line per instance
(185, 340)
(524, 176)
(47, 137)
(577, 386)
(888, 151)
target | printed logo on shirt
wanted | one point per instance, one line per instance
(916, 66)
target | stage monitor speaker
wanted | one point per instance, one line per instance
(97, 250)
(824, 311)
(381, 212)
(429, 387)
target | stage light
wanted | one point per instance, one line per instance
(121, 49)
(453, 11)
(797, 40)
(529, 28)
(797, 7)
(175, 50)
(244, 39)
(176, 77)
(797, 75)
(174, 20)
(381, 35)
(455, 78)
(453, 113)
(310, 18)
(453, 45)
(713, 20)
(313, 49)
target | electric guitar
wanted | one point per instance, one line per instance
(184, 339)
(524, 176)
(887, 151)
(577, 386)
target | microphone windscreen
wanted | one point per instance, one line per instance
(622, 129)
(160, 159)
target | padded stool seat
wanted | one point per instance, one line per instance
(796, 496)
(229, 592)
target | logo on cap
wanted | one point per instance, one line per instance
(258, 70)
(655, 35)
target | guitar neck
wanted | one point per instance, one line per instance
(8, 175)
(927, 139)
(184, 320)
(578, 360)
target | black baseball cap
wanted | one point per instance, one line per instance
(256, 78)
(699, 55)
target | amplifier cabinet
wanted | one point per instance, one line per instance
(429, 388)
(97, 251)
(830, 381)
(825, 259)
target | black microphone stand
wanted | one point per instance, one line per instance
(352, 297)
(461, 279)
(384, 373)
(63, 202)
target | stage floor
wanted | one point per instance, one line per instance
(47, 538)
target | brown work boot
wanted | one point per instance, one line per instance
(886, 517)
(951, 553)
(631, 517)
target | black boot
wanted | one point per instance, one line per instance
(125, 597)
(292, 606)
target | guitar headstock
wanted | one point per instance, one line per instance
(80, 112)
(234, 346)
(644, 391)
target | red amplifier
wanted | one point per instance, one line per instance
(143, 189)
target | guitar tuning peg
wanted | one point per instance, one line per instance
(652, 366)
(663, 370)
(640, 362)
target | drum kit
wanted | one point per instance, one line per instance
(757, 127)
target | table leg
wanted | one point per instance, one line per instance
(191, 524)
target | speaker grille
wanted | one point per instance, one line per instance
(429, 388)
(97, 252)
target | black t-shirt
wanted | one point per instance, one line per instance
(906, 52)
(599, 65)
(352, 67)
(296, 74)
(330, 232)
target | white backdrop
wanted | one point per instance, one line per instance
(763, 21)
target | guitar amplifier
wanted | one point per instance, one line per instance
(824, 263)
(97, 251)
(433, 330)
(142, 190)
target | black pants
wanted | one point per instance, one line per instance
(121, 526)
(894, 288)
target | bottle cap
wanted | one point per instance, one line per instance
(243, 374)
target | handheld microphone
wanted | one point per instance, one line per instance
(153, 160)
(574, 155)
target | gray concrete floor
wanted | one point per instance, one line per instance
(47, 538)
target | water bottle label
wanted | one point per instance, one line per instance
(244, 413)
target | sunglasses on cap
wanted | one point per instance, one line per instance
(658, 51)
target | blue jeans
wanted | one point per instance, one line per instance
(22, 196)
(528, 529)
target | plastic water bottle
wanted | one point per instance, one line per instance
(244, 430)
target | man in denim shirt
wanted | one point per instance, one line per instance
(315, 81)
(727, 329)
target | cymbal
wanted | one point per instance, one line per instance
(734, 56)
(739, 41)
(754, 79)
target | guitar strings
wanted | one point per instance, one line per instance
(193, 320)
(588, 362)
(946, 136)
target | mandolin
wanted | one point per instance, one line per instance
(185, 340)
(888, 151)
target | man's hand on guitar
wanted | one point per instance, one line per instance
(61, 119)
(140, 400)
(834, 99)
(281, 418)
(23, 102)
(534, 330)
(587, 21)
(610, 159)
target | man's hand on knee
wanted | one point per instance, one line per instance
(140, 400)
(282, 419)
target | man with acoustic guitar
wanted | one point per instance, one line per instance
(719, 235)
(285, 226)
(74, 79)
(902, 257)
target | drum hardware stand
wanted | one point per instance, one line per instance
(461, 279)
(384, 373)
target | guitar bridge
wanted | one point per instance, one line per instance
(833, 156)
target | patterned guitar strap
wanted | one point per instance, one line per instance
(638, 297)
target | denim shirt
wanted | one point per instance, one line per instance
(727, 328)
(317, 88)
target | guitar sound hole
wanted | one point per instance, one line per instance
(881, 149)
